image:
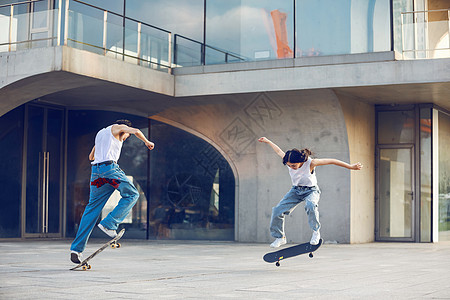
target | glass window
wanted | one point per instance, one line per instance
(35, 146)
(114, 36)
(399, 7)
(444, 177)
(395, 127)
(4, 24)
(183, 17)
(192, 188)
(342, 27)
(85, 28)
(115, 6)
(425, 174)
(20, 25)
(249, 29)
(11, 172)
(187, 52)
(10, 1)
(151, 45)
(395, 193)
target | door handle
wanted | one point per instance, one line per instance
(47, 166)
(44, 193)
(412, 195)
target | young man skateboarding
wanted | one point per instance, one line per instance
(106, 176)
(302, 169)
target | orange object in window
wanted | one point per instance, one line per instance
(279, 23)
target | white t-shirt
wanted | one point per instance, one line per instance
(107, 147)
(303, 176)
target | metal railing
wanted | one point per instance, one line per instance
(85, 26)
(426, 34)
(197, 53)
(111, 34)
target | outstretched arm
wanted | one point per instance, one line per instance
(275, 148)
(331, 161)
(122, 128)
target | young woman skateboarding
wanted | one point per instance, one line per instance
(304, 188)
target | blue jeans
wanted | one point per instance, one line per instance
(294, 197)
(104, 180)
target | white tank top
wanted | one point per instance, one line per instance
(303, 176)
(107, 147)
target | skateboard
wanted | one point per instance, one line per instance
(277, 256)
(113, 243)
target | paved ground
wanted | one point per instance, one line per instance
(221, 270)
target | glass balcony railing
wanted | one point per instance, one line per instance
(188, 52)
(84, 26)
(31, 24)
(25, 30)
(103, 32)
(425, 34)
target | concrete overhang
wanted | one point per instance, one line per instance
(77, 78)
(377, 78)
(81, 79)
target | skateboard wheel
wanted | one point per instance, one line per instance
(277, 264)
(84, 267)
(118, 245)
(89, 267)
(113, 246)
(311, 255)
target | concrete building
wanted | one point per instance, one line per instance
(365, 80)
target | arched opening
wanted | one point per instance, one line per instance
(187, 188)
(192, 187)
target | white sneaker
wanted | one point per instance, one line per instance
(76, 257)
(278, 242)
(315, 238)
(110, 232)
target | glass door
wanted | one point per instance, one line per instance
(395, 205)
(42, 197)
(41, 23)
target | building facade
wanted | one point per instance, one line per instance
(365, 80)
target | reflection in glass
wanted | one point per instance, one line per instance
(11, 139)
(23, 32)
(444, 177)
(425, 34)
(55, 123)
(183, 17)
(114, 36)
(342, 27)
(252, 29)
(148, 44)
(192, 188)
(40, 16)
(395, 127)
(187, 52)
(425, 174)
(395, 193)
(138, 215)
(34, 170)
(43, 167)
(85, 29)
(400, 6)
(115, 6)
